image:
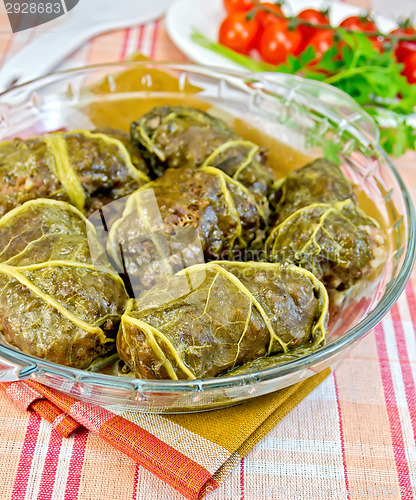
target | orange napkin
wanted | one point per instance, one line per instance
(192, 452)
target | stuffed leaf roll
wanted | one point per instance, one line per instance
(183, 217)
(318, 182)
(209, 318)
(84, 168)
(174, 136)
(320, 227)
(60, 299)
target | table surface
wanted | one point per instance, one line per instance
(352, 438)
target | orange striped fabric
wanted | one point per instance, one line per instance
(185, 474)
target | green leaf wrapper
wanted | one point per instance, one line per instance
(182, 328)
(174, 136)
(319, 227)
(183, 217)
(86, 169)
(60, 299)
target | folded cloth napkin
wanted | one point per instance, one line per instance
(192, 452)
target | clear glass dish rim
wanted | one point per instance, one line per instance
(351, 336)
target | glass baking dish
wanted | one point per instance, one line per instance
(296, 119)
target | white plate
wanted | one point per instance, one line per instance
(186, 16)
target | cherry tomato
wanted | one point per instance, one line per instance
(238, 33)
(409, 70)
(321, 41)
(359, 23)
(277, 42)
(405, 47)
(238, 5)
(363, 23)
(312, 16)
(265, 18)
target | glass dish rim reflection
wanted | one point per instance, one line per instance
(349, 337)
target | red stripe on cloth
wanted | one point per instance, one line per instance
(49, 468)
(242, 478)
(341, 435)
(409, 383)
(75, 465)
(154, 39)
(393, 416)
(136, 481)
(140, 41)
(125, 44)
(411, 300)
(165, 462)
(26, 456)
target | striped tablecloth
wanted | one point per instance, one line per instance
(352, 438)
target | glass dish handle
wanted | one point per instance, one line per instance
(321, 95)
(12, 368)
